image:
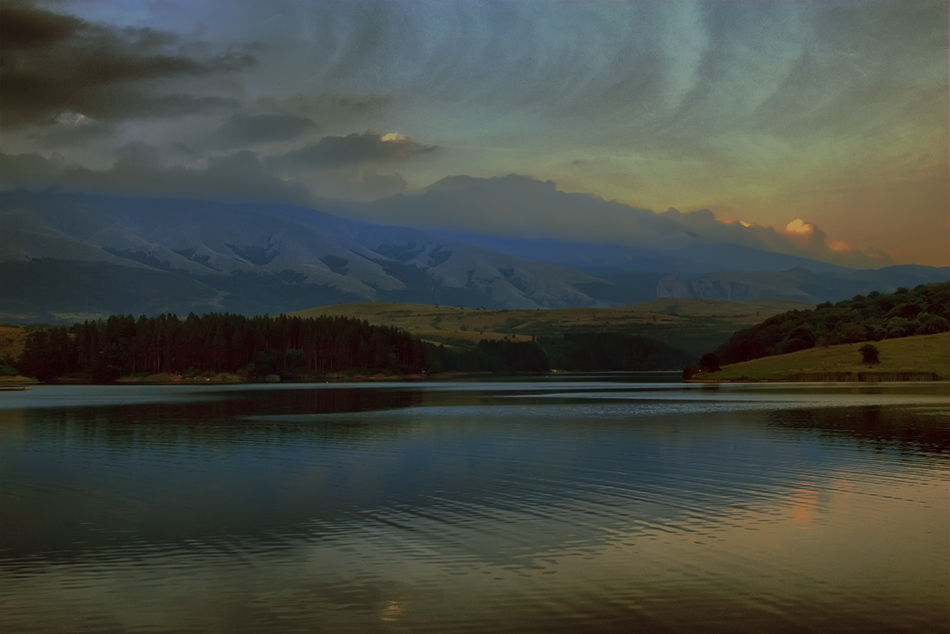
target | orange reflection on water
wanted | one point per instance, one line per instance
(804, 507)
(394, 609)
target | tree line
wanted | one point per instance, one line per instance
(582, 351)
(877, 316)
(293, 347)
(299, 348)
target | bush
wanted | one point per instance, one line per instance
(869, 354)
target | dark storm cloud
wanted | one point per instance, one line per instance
(53, 63)
(354, 149)
(24, 27)
(243, 129)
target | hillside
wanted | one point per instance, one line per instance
(12, 340)
(691, 325)
(924, 310)
(910, 356)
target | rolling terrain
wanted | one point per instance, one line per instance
(692, 325)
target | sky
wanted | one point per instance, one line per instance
(821, 123)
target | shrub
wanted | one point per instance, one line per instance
(869, 354)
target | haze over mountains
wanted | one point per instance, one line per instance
(66, 255)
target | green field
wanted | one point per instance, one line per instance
(696, 326)
(905, 358)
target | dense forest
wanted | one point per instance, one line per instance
(291, 347)
(921, 311)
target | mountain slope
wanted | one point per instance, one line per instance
(66, 252)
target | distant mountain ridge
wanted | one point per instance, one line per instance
(84, 253)
(64, 256)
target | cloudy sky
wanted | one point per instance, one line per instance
(814, 118)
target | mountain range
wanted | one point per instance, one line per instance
(67, 255)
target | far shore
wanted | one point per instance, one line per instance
(226, 378)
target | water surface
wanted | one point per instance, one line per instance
(606, 504)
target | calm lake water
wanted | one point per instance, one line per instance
(603, 504)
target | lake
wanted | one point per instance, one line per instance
(560, 504)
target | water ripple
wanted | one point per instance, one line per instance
(479, 508)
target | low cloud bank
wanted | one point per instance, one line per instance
(512, 206)
(519, 206)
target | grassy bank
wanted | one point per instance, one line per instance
(925, 357)
(16, 381)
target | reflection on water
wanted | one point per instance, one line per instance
(495, 506)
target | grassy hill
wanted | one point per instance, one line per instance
(12, 339)
(692, 325)
(908, 357)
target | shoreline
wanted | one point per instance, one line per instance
(24, 383)
(338, 377)
(832, 377)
